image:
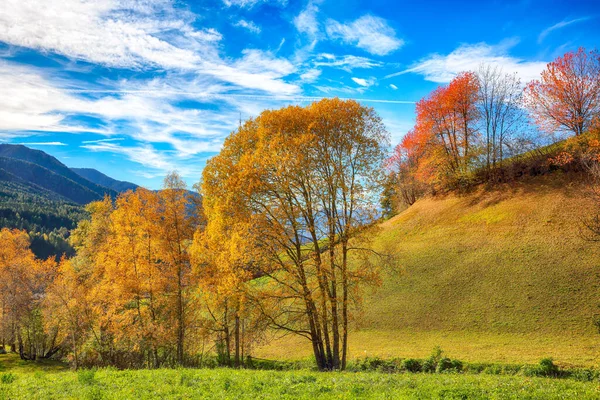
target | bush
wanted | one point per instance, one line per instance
(585, 374)
(412, 365)
(430, 364)
(546, 367)
(376, 364)
(447, 365)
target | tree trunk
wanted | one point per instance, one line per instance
(237, 340)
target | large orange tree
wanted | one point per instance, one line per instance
(298, 185)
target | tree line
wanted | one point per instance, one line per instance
(465, 131)
(158, 279)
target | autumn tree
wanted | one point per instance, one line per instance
(67, 308)
(500, 112)
(222, 258)
(23, 281)
(567, 96)
(132, 304)
(446, 132)
(298, 184)
(406, 168)
(176, 228)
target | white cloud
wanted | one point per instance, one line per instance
(133, 34)
(346, 63)
(363, 82)
(310, 76)
(260, 70)
(102, 140)
(306, 22)
(249, 25)
(442, 68)
(559, 25)
(393, 86)
(109, 32)
(43, 144)
(143, 110)
(144, 154)
(370, 33)
(252, 3)
(156, 163)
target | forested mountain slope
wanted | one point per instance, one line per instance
(99, 178)
(71, 190)
(41, 195)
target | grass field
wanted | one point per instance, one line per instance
(497, 275)
(20, 380)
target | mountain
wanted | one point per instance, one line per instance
(33, 174)
(43, 196)
(99, 178)
(499, 275)
(42, 169)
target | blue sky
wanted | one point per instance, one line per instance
(137, 88)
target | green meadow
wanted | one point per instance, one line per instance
(22, 381)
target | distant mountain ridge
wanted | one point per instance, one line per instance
(39, 168)
(97, 177)
(43, 196)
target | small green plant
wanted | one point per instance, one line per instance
(95, 393)
(86, 376)
(7, 378)
(430, 364)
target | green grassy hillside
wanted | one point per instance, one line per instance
(493, 275)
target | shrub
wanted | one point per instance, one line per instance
(447, 365)
(476, 368)
(546, 367)
(585, 374)
(412, 365)
(376, 364)
(430, 364)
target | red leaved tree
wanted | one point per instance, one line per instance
(567, 96)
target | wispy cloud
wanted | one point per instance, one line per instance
(118, 34)
(370, 33)
(156, 163)
(102, 140)
(248, 25)
(560, 25)
(306, 22)
(43, 144)
(442, 68)
(138, 35)
(310, 76)
(143, 154)
(346, 63)
(252, 3)
(393, 86)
